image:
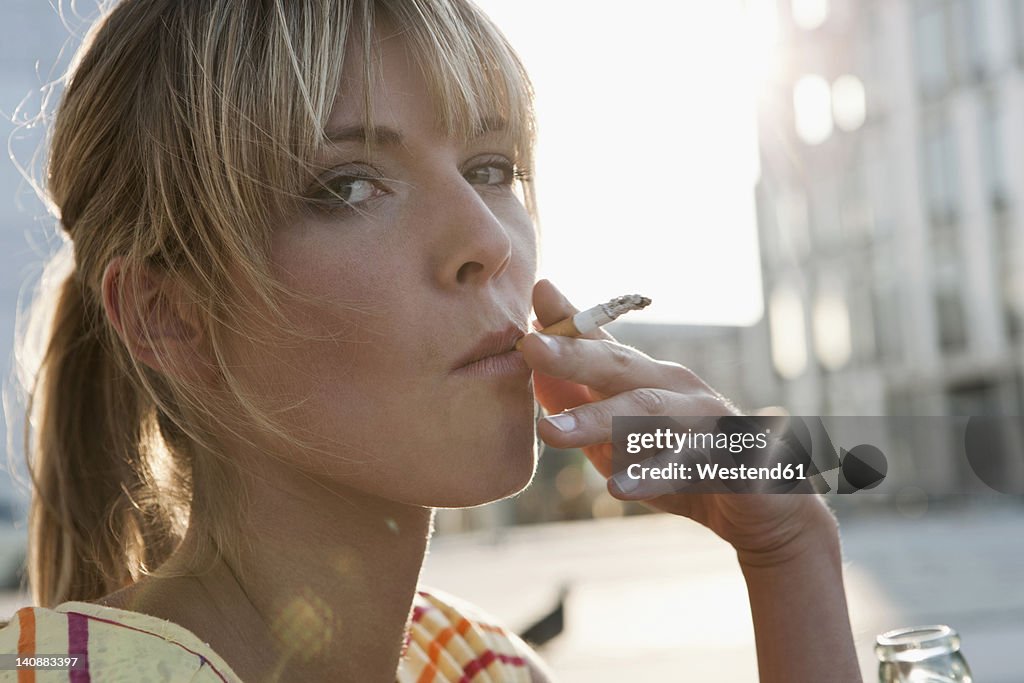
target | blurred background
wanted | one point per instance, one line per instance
(824, 200)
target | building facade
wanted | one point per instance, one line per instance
(889, 207)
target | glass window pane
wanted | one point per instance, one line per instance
(1017, 13)
(992, 162)
(941, 175)
(931, 47)
(951, 319)
(887, 321)
(969, 50)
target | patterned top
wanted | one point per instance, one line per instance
(444, 644)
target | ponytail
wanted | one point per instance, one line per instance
(92, 529)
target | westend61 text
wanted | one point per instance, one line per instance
(715, 472)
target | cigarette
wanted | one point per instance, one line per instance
(593, 318)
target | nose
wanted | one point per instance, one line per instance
(474, 246)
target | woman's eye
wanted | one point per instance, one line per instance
(353, 190)
(347, 190)
(491, 174)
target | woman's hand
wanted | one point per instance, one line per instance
(787, 544)
(583, 383)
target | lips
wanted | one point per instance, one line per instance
(491, 344)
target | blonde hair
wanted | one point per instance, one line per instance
(185, 130)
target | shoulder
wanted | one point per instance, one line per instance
(113, 645)
(455, 639)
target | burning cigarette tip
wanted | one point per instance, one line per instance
(630, 302)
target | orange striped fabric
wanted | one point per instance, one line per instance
(26, 642)
(448, 641)
(459, 644)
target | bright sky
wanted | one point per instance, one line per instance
(647, 155)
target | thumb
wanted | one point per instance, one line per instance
(550, 304)
(555, 395)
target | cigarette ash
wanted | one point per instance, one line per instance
(625, 304)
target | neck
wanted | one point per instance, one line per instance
(323, 589)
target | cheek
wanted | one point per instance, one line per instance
(337, 324)
(520, 226)
(349, 289)
(525, 244)
(375, 354)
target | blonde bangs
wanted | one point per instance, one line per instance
(476, 78)
(261, 107)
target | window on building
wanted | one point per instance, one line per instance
(788, 330)
(888, 319)
(1011, 308)
(812, 109)
(1012, 281)
(951, 319)
(855, 204)
(941, 173)
(1017, 16)
(931, 47)
(871, 60)
(969, 47)
(947, 274)
(946, 253)
(809, 14)
(826, 219)
(950, 43)
(862, 324)
(833, 344)
(849, 106)
(792, 222)
(767, 227)
(877, 161)
(992, 155)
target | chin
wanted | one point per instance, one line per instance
(517, 473)
(505, 471)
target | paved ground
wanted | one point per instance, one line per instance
(659, 599)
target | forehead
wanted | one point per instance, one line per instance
(382, 86)
(390, 93)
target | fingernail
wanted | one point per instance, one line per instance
(625, 483)
(550, 341)
(563, 422)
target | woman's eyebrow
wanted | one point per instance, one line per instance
(389, 137)
(381, 135)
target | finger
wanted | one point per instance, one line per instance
(556, 395)
(605, 366)
(551, 306)
(602, 459)
(591, 423)
(553, 393)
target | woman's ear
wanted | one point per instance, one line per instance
(154, 318)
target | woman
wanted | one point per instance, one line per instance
(298, 227)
